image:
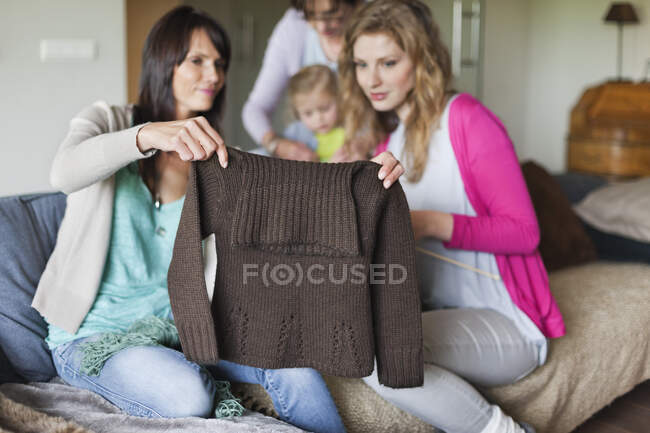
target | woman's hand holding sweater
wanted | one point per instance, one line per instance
(294, 150)
(193, 139)
(391, 168)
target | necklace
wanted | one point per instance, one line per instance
(156, 191)
(159, 167)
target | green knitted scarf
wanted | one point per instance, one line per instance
(151, 331)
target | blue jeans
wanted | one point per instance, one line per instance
(155, 381)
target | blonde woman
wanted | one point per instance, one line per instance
(488, 310)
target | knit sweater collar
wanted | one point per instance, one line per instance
(320, 219)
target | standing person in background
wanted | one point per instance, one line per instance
(488, 309)
(309, 33)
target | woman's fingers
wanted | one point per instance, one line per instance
(298, 154)
(179, 147)
(339, 156)
(394, 175)
(193, 139)
(295, 150)
(309, 155)
(387, 162)
(192, 144)
(222, 154)
(391, 168)
(203, 122)
(220, 145)
(200, 136)
(196, 140)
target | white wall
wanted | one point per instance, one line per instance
(540, 55)
(505, 64)
(571, 48)
(37, 100)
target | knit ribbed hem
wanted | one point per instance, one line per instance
(199, 342)
(401, 368)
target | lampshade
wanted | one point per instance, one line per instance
(621, 12)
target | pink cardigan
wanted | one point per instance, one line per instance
(505, 223)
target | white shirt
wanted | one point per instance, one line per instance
(444, 284)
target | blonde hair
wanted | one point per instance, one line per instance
(410, 24)
(310, 79)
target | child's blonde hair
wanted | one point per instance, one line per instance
(310, 79)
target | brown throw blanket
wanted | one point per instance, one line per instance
(18, 418)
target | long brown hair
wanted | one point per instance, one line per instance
(166, 46)
(410, 24)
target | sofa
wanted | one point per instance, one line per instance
(605, 353)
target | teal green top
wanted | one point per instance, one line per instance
(134, 281)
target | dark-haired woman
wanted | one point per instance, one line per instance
(309, 33)
(125, 170)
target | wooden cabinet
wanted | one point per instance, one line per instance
(610, 130)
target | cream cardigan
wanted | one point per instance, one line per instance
(100, 141)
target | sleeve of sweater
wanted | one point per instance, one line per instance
(99, 142)
(493, 178)
(396, 298)
(281, 60)
(186, 282)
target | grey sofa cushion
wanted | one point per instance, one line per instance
(576, 186)
(609, 246)
(7, 372)
(28, 230)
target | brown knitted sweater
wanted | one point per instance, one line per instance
(294, 283)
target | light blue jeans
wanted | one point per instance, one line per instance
(155, 381)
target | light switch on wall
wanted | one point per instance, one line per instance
(67, 49)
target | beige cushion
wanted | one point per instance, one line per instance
(604, 354)
(622, 209)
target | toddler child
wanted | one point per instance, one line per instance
(313, 96)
